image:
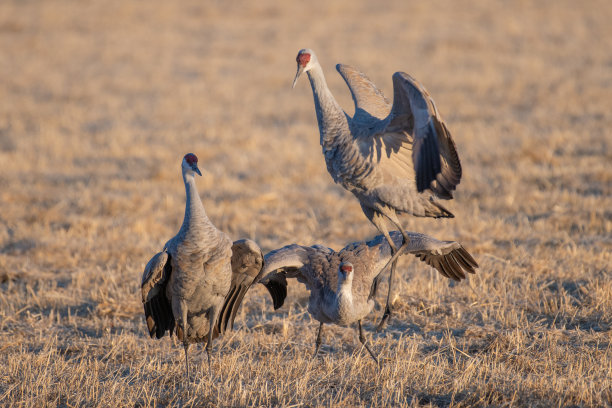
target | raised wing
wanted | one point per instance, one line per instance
(370, 102)
(382, 167)
(434, 155)
(247, 268)
(293, 261)
(448, 257)
(158, 311)
(277, 263)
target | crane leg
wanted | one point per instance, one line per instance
(186, 347)
(363, 341)
(183, 334)
(396, 252)
(388, 312)
(208, 351)
(318, 341)
(213, 315)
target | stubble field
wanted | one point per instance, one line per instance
(99, 101)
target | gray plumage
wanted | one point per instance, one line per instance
(396, 159)
(247, 268)
(318, 268)
(186, 287)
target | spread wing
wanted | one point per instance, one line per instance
(434, 155)
(158, 311)
(247, 268)
(294, 261)
(401, 156)
(450, 258)
(370, 102)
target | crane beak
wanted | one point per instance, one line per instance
(297, 75)
(196, 169)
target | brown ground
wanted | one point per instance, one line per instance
(99, 101)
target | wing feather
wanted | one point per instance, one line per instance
(399, 155)
(391, 176)
(434, 153)
(449, 258)
(370, 102)
(276, 264)
(247, 268)
(158, 312)
(307, 264)
(276, 283)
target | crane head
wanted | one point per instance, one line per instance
(345, 271)
(190, 163)
(305, 59)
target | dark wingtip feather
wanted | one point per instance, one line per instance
(155, 313)
(159, 318)
(435, 262)
(418, 166)
(448, 268)
(424, 169)
(443, 213)
(426, 157)
(449, 176)
(374, 287)
(149, 319)
(278, 292)
(454, 265)
(231, 307)
(464, 257)
(238, 301)
(223, 318)
(455, 170)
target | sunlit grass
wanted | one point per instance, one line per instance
(99, 102)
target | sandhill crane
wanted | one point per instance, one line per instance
(343, 284)
(394, 158)
(191, 286)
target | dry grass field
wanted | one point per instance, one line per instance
(100, 100)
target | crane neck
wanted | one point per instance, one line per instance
(332, 121)
(194, 209)
(344, 294)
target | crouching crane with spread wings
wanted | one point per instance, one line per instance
(343, 284)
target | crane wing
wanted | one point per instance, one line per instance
(434, 155)
(381, 167)
(247, 268)
(370, 102)
(450, 258)
(277, 263)
(158, 311)
(293, 261)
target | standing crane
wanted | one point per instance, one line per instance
(343, 284)
(396, 159)
(191, 287)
